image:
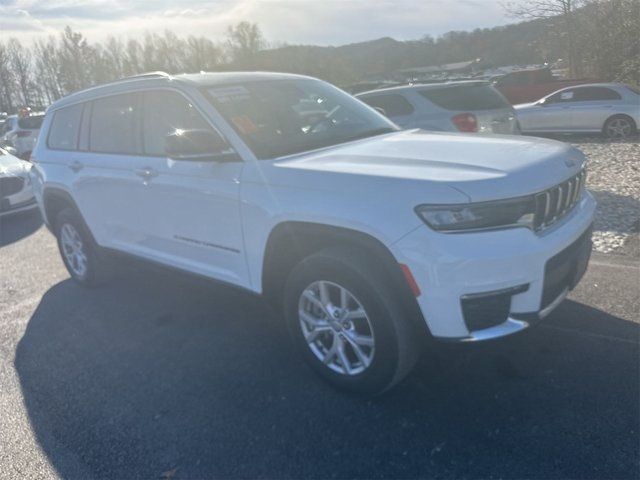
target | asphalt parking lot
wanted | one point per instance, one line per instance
(164, 376)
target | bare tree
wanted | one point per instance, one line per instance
(563, 10)
(47, 68)
(75, 54)
(20, 63)
(244, 41)
(6, 80)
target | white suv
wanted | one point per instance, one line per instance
(367, 238)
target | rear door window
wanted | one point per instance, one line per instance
(114, 125)
(589, 94)
(65, 127)
(394, 105)
(164, 113)
(475, 97)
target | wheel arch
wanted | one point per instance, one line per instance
(620, 115)
(291, 241)
(54, 200)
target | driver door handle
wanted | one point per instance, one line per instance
(146, 172)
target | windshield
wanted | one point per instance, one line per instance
(284, 117)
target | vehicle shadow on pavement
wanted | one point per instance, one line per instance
(18, 226)
(164, 372)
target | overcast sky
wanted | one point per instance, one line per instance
(322, 22)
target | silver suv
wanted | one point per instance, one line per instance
(471, 106)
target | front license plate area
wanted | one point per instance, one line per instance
(564, 270)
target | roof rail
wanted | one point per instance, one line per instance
(157, 74)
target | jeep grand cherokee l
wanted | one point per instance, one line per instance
(366, 237)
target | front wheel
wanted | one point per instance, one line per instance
(618, 127)
(347, 323)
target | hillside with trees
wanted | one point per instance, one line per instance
(599, 38)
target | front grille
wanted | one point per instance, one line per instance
(554, 203)
(10, 185)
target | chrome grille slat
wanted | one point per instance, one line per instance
(560, 201)
(567, 202)
(552, 204)
(547, 204)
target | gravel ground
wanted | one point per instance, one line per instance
(614, 179)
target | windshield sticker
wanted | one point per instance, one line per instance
(566, 95)
(229, 94)
(244, 124)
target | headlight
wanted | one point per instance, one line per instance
(518, 212)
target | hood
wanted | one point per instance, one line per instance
(484, 167)
(11, 166)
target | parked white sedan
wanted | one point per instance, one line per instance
(612, 109)
(16, 193)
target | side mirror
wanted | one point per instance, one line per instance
(197, 144)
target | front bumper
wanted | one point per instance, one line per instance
(451, 267)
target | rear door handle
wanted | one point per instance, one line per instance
(146, 172)
(76, 166)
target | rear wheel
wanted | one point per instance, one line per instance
(84, 260)
(619, 126)
(347, 323)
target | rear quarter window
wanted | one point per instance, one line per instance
(393, 105)
(477, 97)
(63, 134)
(31, 123)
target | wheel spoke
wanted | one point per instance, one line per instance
(344, 298)
(313, 299)
(359, 353)
(66, 236)
(364, 340)
(313, 321)
(353, 314)
(332, 351)
(346, 366)
(324, 293)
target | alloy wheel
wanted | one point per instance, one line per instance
(336, 327)
(619, 128)
(73, 249)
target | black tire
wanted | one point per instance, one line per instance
(397, 341)
(98, 271)
(626, 127)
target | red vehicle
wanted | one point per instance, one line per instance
(526, 86)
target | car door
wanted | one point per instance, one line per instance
(189, 211)
(591, 107)
(103, 182)
(551, 115)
